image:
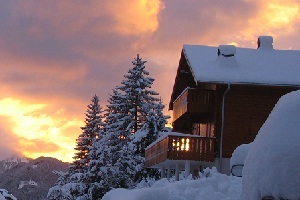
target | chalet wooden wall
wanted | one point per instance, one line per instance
(184, 79)
(246, 109)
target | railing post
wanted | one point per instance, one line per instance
(177, 172)
(187, 168)
(162, 173)
(169, 172)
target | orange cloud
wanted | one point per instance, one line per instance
(35, 129)
(136, 17)
(69, 17)
(275, 18)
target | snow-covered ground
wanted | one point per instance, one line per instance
(213, 187)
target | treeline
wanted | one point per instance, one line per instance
(110, 151)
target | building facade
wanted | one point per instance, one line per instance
(220, 99)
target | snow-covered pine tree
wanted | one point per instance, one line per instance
(132, 107)
(155, 124)
(93, 177)
(137, 94)
(93, 125)
(57, 192)
(117, 136)
(76, 180)
(96, 167)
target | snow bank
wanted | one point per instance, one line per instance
(216, 186)
(239, 155)
(272, 166)
(238, 159)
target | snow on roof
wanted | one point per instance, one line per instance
(248, 66)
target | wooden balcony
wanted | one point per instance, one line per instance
(180, 147)
(193, 102)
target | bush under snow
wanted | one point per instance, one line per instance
(272, 166)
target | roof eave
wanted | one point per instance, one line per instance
(249, 83)
(190, 66)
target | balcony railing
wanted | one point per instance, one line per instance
(193, 101)
(174, 147)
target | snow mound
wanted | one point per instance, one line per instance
(216, 186)
(238, 159)
(239, 155)
(273, 162)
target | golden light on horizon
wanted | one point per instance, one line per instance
(39, 134)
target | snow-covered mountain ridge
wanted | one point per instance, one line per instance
(32, 179)
(11, 162)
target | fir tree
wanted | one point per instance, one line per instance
(155, 124)
(93, 125)
(137, 95)
(96, 168)
(57, 192)
(117, 137)
(77, 180)
(132, 108)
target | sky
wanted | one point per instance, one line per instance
(55, 55)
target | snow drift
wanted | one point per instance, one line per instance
(215, 186)
(238, 158)
(272, 166)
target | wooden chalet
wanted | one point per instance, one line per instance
(221, 97)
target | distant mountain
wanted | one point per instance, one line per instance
(11, 162)
(31, 180)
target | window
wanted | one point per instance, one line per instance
(181, 144)
(203, 129)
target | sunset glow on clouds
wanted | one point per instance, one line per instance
(55, 55)
(135, 18)
(38, 133)
(276, 16)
